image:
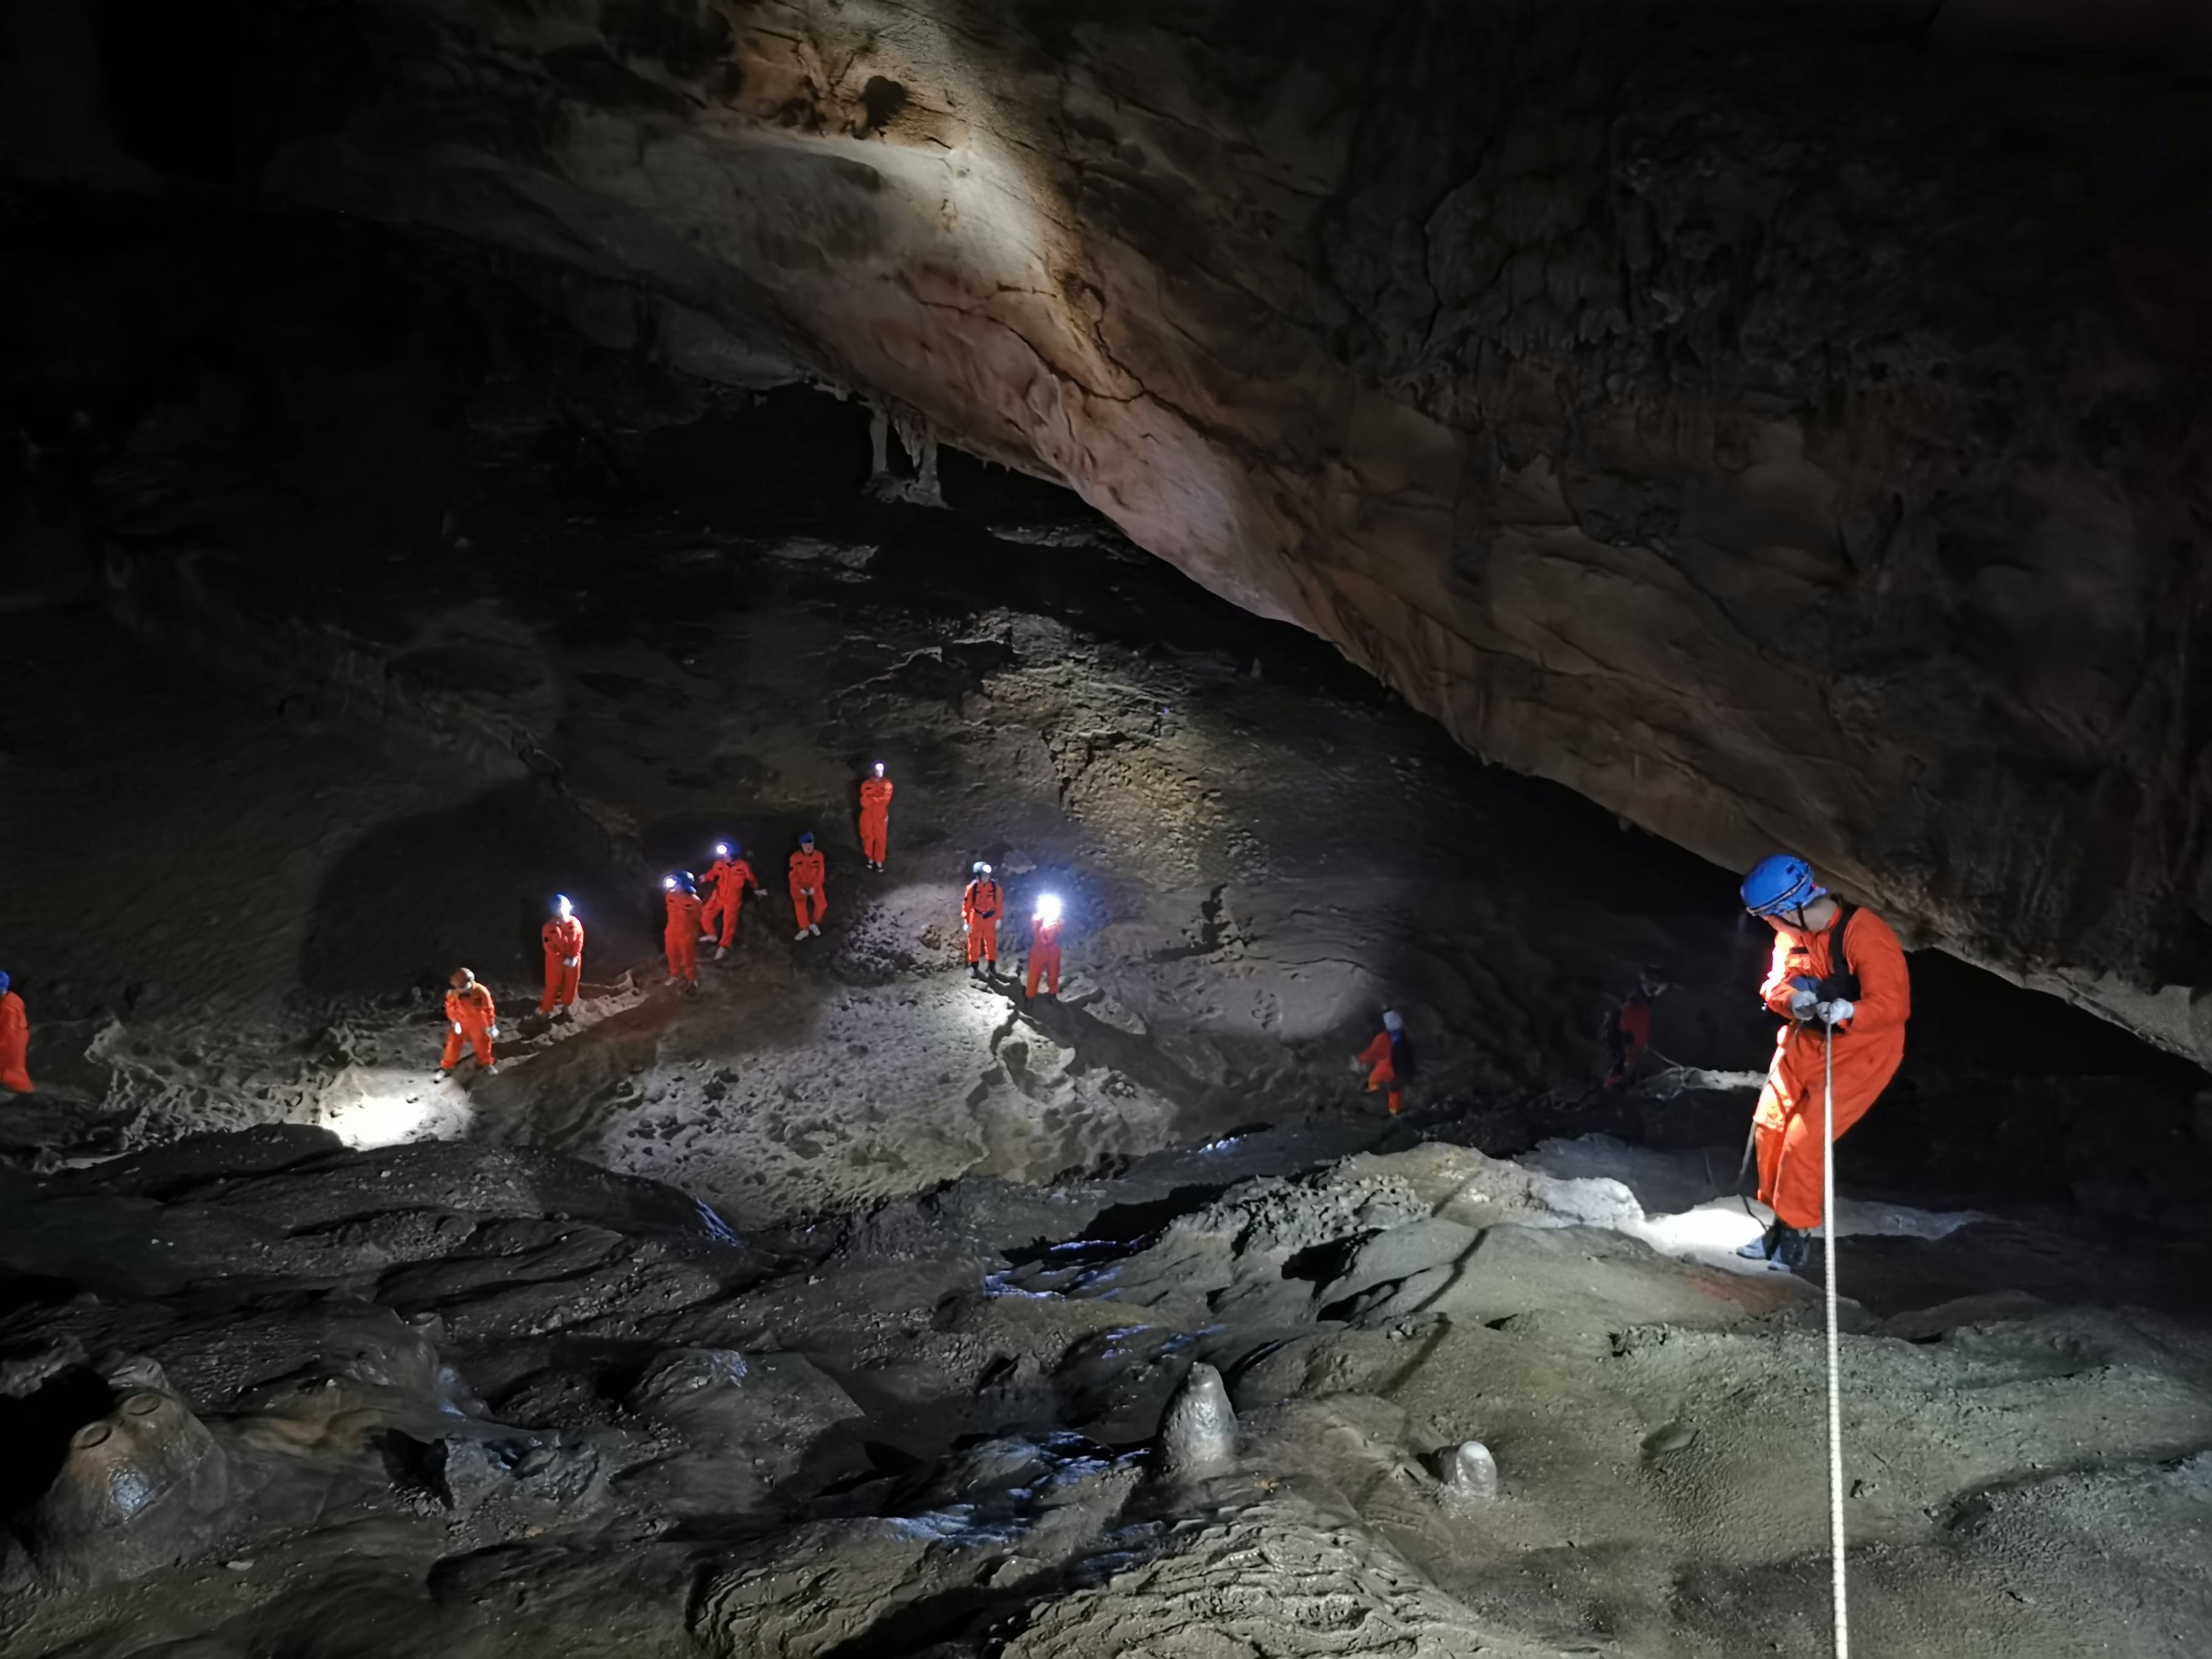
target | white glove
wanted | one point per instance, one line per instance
(760, 892)
(457, 1028)
(492, 1031)
(1836, 1013)
(1802, 1004)
(1356, 1066)
(570, 962)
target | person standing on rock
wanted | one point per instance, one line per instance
(15, 1040)
(679, 938)
(980, 906)
(471, 1017)
(875, 817)
(1838, 980)
(1044, 947)
(562, 937)
(1387, 1060)
(1628, 1028)
(810, 896)
(729, 875)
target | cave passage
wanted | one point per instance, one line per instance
(367, 591)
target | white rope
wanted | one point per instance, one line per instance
(1835, 1395)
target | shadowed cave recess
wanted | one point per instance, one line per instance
(1372, 508)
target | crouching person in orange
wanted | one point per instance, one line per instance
(729, 875)
(810, 898)
(1044, 945)
(1838, 980)
(1387, 1060)
(563, 940)
(679, 938)
(875, 817)
(471, 1017)
(14, 1040)
(979, 919)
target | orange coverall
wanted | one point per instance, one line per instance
(979, 911)
(473, 1012)
(875, 818)
(680, 938)
(1380, 1075)
(808, 886)
(1044, 955)
(731, 877)
(14, 1044)
(563, 940)
(1868, 1046)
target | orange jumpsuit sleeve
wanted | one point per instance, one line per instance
(1884, 998)
(1776, 990)
(490, 1009)
(741, 873)
(1375, 1052)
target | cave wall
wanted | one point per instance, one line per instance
(1785, 424)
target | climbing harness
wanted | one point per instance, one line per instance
(1835, 1395)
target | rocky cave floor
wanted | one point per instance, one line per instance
(854, 1309)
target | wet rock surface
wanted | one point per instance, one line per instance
(579, 1411)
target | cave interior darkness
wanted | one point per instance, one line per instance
(354, 599)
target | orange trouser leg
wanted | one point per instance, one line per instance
(1045, 964)
(480, 1040)
(1787, 1134)
(681, 945)
(983, 941)
(721, 912)
(800, 903)
(875, 839)
(452, 1057)
(557, 979)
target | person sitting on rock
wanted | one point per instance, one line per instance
(1838, 980)
(1388, 1061)
(471, 1017)
(15, 1040)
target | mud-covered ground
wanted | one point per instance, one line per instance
(853, 1308)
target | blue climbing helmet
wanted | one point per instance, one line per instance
(1779, 883)
(4, 983)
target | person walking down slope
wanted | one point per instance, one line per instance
(15, 1040)
(679, 938)
(562, 937)
(875, 817)
(1044, 947)
(1387, 1060)
(980, 906)
(471, 1017)
(1838, 980)
(810, 898)
(729, 875)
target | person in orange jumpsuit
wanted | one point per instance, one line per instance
(562, 937)
(1044, 946)
(15, 1040)
(980, 906)
(1387, 1060)
(679, 938)
(809, 895)
(469, 1016)
(1838, 980)
(1628, 1030)
(730, 876)
(875, 817)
